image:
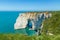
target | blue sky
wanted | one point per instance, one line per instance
(29, 5)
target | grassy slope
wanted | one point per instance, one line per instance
(52, 25)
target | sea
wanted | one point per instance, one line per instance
(7, 20)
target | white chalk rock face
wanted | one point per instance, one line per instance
(22, 19)
(21, 22)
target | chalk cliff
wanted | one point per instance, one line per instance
(22, 19)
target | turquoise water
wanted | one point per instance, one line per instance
(7, 20)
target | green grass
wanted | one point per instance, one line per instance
(53, 24)
(25, 37)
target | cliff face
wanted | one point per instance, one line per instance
(22, 19)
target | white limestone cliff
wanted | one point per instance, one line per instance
(21, 20)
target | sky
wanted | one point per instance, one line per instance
(29, 5)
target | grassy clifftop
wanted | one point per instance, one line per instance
(53, 24)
